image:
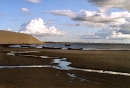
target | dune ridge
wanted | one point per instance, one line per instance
(8, 37)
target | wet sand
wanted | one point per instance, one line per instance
(54, 78)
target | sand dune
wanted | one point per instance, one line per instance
(8, 37)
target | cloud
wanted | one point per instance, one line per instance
(115, 25)
(94, 18)
(68, 13)
(118, 35)
(107, 4)
(38, 28)
(91, 37)
(24, 10)
(107, 34)
(125, 28)
(103, 33)
(34, 1)
(101, 19)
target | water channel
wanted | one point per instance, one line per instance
(61, 64)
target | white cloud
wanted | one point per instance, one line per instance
(107, 4)
(91, 37)
(102, 19)
(115, 24)
(107, 34)
(68, 13)
(37, 27)
(118, 35)
(34, 1)
(24, 10)
(94, 18)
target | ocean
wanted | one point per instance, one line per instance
(85, 46)
(90, 46)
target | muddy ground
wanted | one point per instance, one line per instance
(55, 78)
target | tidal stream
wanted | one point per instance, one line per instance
(59, 63)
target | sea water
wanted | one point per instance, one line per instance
(90, 46)
(85, 46)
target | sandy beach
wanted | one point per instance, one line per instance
(48, 77)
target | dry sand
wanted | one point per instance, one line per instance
(54, 78)
(8, 37)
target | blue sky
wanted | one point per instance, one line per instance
(68, 20)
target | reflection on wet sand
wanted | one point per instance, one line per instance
(73, 77)
(60, 64)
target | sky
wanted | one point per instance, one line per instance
(96, 21)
